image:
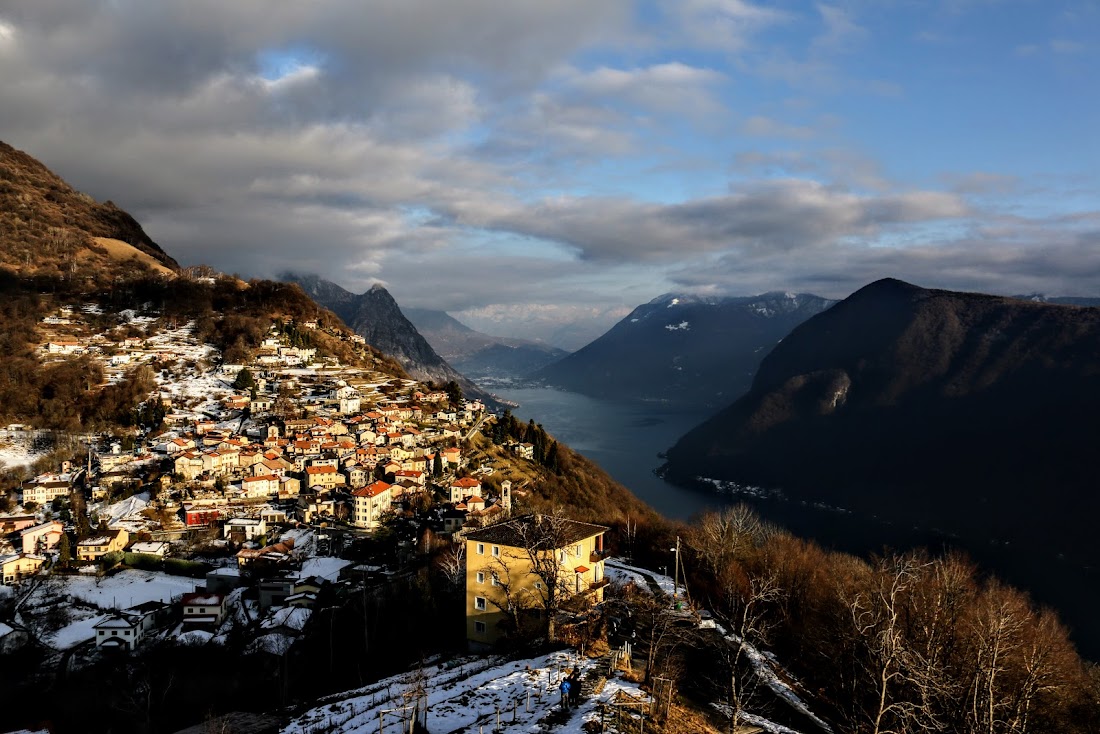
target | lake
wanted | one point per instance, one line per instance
(626, 438)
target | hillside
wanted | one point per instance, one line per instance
(479, 355)
(49, 228)
(954, 409)
(685, 350)
(375, 316)
(87, 275)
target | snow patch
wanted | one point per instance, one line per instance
(682, 326)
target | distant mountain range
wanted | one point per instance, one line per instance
(684, 350)
(971, 413)
(376, 317)
(479, 355)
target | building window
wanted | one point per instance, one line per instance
(481, 577)
(496, 551)
(538, 585)
(496, 579)
(479, 628)
(126, 633)
(479, 602)
(577, 550)
(481, 549)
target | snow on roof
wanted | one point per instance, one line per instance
(324, 568)
(292, 618)
(201, 599)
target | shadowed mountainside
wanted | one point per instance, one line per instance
(376, 317)
(966, 412)
(684, 350)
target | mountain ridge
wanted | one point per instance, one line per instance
(477, 354)
(683, 349)
(376, 316)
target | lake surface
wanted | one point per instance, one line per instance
(626, 438)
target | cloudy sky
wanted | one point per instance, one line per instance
(539, 167)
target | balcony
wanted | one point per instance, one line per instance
(597, 556)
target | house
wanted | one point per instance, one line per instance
(188, 464)
(202, 610)
(370, 503)
(151, 548)
(326, 477)
(244, 529)
(15, 523)
(118, 632)
(200, 515)
(289, 487)
(178, 445)
(279, 554)
(64, 347)
(460, 489)
(260, 486)
(453, 520)
(101, 544)
(15, 568)
(526, 555)
(45, 490)
(42, 538)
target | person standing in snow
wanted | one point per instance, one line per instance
(564, 687)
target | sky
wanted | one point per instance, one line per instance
(540, 168)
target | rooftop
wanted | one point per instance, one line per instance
(541, 529)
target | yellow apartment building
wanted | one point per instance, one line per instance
(517, 569)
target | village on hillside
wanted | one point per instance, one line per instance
(277, 489)
(264, 487)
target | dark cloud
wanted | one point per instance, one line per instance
(463, 152)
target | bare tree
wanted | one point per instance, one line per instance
(726, 535)
(745, 605)
(877, 617)
(544, 539)
(452, 564)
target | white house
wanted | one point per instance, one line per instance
(370, 503)
(118, 632)
(42, 538)
(261, 486)
(202, 610)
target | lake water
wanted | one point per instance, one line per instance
(626, 438)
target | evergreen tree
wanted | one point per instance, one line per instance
(64, 550)
(244, 380)
(437, 465)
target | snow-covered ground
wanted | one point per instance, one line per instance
(16, 449)
(75, 632)
(193, 385)
(765, 670)
(624, 573)
(465, 697)
(122, 590)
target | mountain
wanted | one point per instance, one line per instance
(480, 355)
(49, 228)
(1060, 300)
(970, 413)
(684, 349)
(376, 317)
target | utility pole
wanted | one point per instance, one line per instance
(676, 570)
